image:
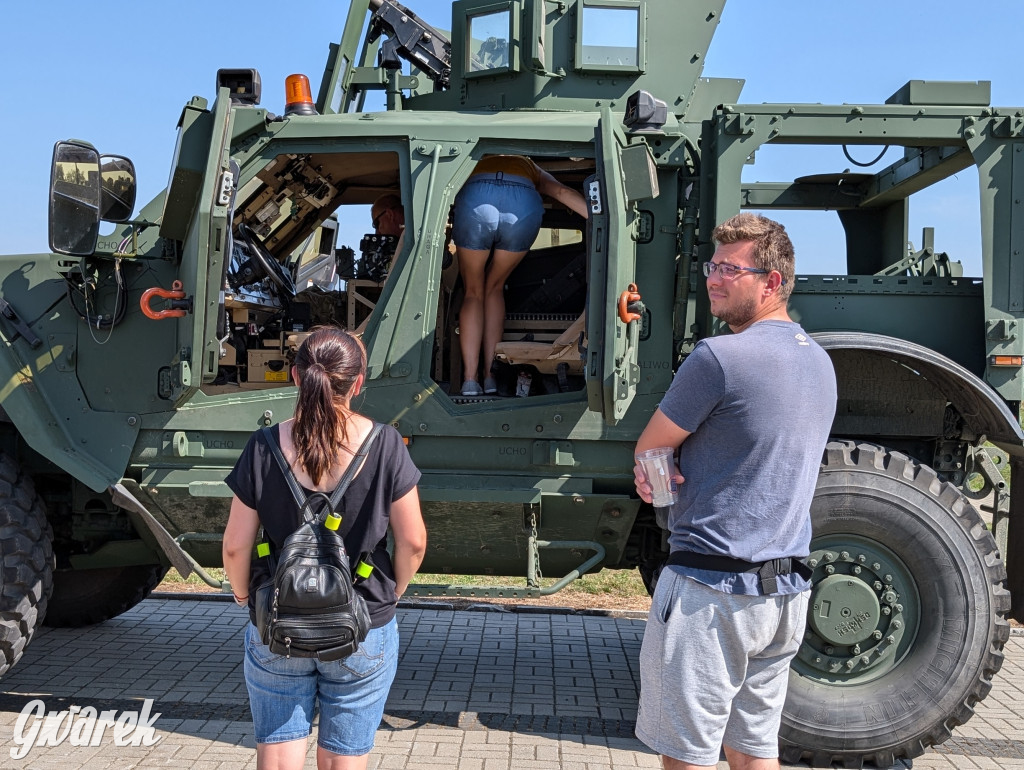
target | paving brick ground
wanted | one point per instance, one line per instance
(475, 691)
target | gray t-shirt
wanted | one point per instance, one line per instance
(760, 405)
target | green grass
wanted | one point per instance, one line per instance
(611, 586)
(172, 578)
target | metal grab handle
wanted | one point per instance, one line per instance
(629, 311)
(179, 305)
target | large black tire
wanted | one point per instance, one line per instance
(26, 561)
(907, 618)
(88, 596)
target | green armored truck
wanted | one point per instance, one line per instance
(204, 293)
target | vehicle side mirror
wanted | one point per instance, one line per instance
(117, 193)
(75, 197)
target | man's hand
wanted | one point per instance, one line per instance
(643, 486)
(660, 431)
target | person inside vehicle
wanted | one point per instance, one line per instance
(387, 215)
(497, 212)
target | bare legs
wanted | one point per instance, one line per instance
(737, 761)
(482, 319)
(326, 760)
(291, 755)
(472, 263)
(740, 761)
(281, 756)
(677, 764)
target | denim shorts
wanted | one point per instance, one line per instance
(350, 692)
(497, 213)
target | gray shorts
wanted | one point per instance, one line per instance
(714, 669)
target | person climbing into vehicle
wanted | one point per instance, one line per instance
(498, 211)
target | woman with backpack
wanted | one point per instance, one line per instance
(318, 445)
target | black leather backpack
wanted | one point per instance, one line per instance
(309, 608)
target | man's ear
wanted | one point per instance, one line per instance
(774, 282)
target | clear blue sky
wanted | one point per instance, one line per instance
(117, 73)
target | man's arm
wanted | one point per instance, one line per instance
(660, 431)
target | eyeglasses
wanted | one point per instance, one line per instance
(376, 220)
(728, 272)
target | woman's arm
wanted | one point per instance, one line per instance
(410, 538)
(239, 538)
(551, 187)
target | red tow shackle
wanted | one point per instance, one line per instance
(630, 306)
(179, 305)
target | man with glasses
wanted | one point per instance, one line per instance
(388, 218)
(387, 215)
(749, 413)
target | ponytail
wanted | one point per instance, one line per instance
(328, 363)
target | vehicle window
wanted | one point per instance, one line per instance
(610, 36)
(306, 217)
(487, 47)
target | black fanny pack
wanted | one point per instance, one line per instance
(767, 571)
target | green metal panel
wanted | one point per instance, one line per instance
(490, 536)
(40, 391)
(943, 314)
(1016, 194)
(116, 553)
(611, 369)
(563, 85)
(455, 494)
(191, 156)
(943, 92)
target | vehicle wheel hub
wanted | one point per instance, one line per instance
(845, 610)
(855, 620)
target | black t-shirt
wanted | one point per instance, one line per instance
(387, 475)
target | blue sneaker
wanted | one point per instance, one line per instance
(490, 385)
(472, 388)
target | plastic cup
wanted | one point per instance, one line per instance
(657, 465)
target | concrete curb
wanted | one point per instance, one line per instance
(524, 609)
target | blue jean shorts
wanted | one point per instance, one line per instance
(350, 693)
(497, 213)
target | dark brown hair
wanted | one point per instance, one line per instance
(328, 363)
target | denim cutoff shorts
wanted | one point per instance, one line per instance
(350, 692)
(497, 213)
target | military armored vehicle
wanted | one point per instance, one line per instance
(203, 295)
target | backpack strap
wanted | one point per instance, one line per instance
(296, 489)
(355, 465)
(289, 475)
